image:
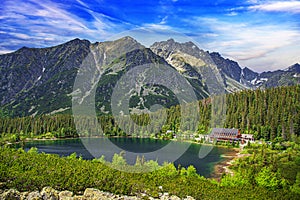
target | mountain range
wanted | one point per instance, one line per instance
(38, 81)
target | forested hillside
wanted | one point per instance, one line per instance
(268, 114)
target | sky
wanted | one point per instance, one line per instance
(261, 35)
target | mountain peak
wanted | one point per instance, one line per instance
(127, 42)
(294, 68)
(23, 48)
(172, 45)
(127, 38)
(171, 40)
(217, 54)
(77, 40)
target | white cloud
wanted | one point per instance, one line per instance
(232, 14)
(157, 27)
(20, 35)
(250, 45)
(45, 13)
(46, 23)
(5, 51)
(252, 1)
(278, 6)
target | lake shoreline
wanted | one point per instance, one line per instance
(222, 167)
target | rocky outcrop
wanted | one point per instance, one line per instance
(48, 193)
(227, 66)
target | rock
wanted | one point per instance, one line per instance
(67, 198)
(49, 193)
(173, 197)
(129, 198)
(91, 193)
(24, 195)
(10, 194)
(34, 196)
(166, 196)
(77, 197)
(65, 195)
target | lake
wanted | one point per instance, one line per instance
(90, 148)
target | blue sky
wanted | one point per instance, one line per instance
(261, 35)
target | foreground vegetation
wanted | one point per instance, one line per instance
(273, 166)
(28, 171)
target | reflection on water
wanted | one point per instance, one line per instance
(137, 145)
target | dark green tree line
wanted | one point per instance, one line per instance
(268, 114)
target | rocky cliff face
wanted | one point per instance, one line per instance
(194, 63)
(252, 80)
(289, 76)
(210, 69)
(41, 81)
(226, 66)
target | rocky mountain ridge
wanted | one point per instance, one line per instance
(253, 80)
(37, 81)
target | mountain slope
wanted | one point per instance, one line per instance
(32, 79)
(231, 70)
(187, 57)
(40, 81)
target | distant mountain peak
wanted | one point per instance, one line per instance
(294, 68)
(76, 41)
(24, 48)
(125, 42)
(127, 38)
(171, 40)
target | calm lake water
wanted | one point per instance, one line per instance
(133, 146)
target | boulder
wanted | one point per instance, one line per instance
(93, 194)
(34, 196)
(76, 197)
(173, 197)
(65, 195)
(166, 196)
(11, 194)
(48, 193)
(24, 195)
